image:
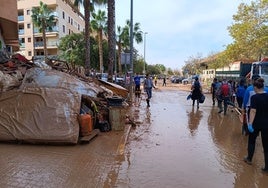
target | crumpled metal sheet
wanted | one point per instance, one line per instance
(44, 109)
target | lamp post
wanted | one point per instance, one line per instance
(131, 49)
(144, 53)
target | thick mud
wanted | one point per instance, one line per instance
(173, 145)
(178, 145)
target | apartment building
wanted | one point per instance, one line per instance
(8, 26)
(31, 42)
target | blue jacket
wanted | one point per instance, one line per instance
(248, 93)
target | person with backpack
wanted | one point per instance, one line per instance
(196, 91)
(225, 93)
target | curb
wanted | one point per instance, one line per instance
(123, 141)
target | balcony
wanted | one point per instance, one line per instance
(21, 31)
(55, 14)
(20, 18)
(54, 29)
(22, 45)
(50, 44)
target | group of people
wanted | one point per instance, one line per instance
(252, 101)
(147, 85)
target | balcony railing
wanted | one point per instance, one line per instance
(21, 31)
(49, 44)
(54, 29)
(22, 45)
(55, 14)
(20, 18)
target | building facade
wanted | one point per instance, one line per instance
(8, 26)
(67, 21)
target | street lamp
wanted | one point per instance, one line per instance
(131, 49)
(144, 53)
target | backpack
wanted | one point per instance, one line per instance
(225, 89)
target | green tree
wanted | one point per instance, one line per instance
(123, 39)
(88, 6)
(249, 31)
(44, 20)
(98, 24)
(72, 49)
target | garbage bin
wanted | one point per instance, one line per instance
(117, 117)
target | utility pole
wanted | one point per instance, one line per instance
(144, 53)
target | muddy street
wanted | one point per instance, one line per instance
(173, 145)
(177, 145)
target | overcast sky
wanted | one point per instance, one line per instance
(178, 29)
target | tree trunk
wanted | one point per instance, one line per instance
(119, 58)
(111, 38)
(100, 50)
(44, 40)
(87, 36)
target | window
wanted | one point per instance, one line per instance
(28, 12)
(63, 28)
(69, 19)
(78, 27)
(29, 39)
(28, 26)
(63, 14)
(29, 53)
(69, 31)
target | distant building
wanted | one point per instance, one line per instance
(208, 75)
(8, 26)
(31, 42)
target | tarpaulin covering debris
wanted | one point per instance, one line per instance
(44, 108)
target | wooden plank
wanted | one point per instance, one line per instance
(88, 138)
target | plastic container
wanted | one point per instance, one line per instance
(115, 101)
(117, 118)
(85, 124)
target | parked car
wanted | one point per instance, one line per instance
(177, 80)
(119, 80)
(186, 81)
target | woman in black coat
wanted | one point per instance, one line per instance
(196, 91)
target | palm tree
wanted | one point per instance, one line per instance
(111, 38)
(123, 37)
(88, 6)
(123, 42)
(98, 24)
(44, 20)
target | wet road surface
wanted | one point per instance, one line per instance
(173, 145)
(178, 145)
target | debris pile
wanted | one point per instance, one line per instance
(41, 103)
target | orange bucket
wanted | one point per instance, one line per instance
(85, 124)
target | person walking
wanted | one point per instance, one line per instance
(148, 85)
(225, 93)
(240, 92)
(213, 90)
(196, 91)
(155, 80)
(137, 81)
(258, 122)
(164, 81)
(246, 101)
